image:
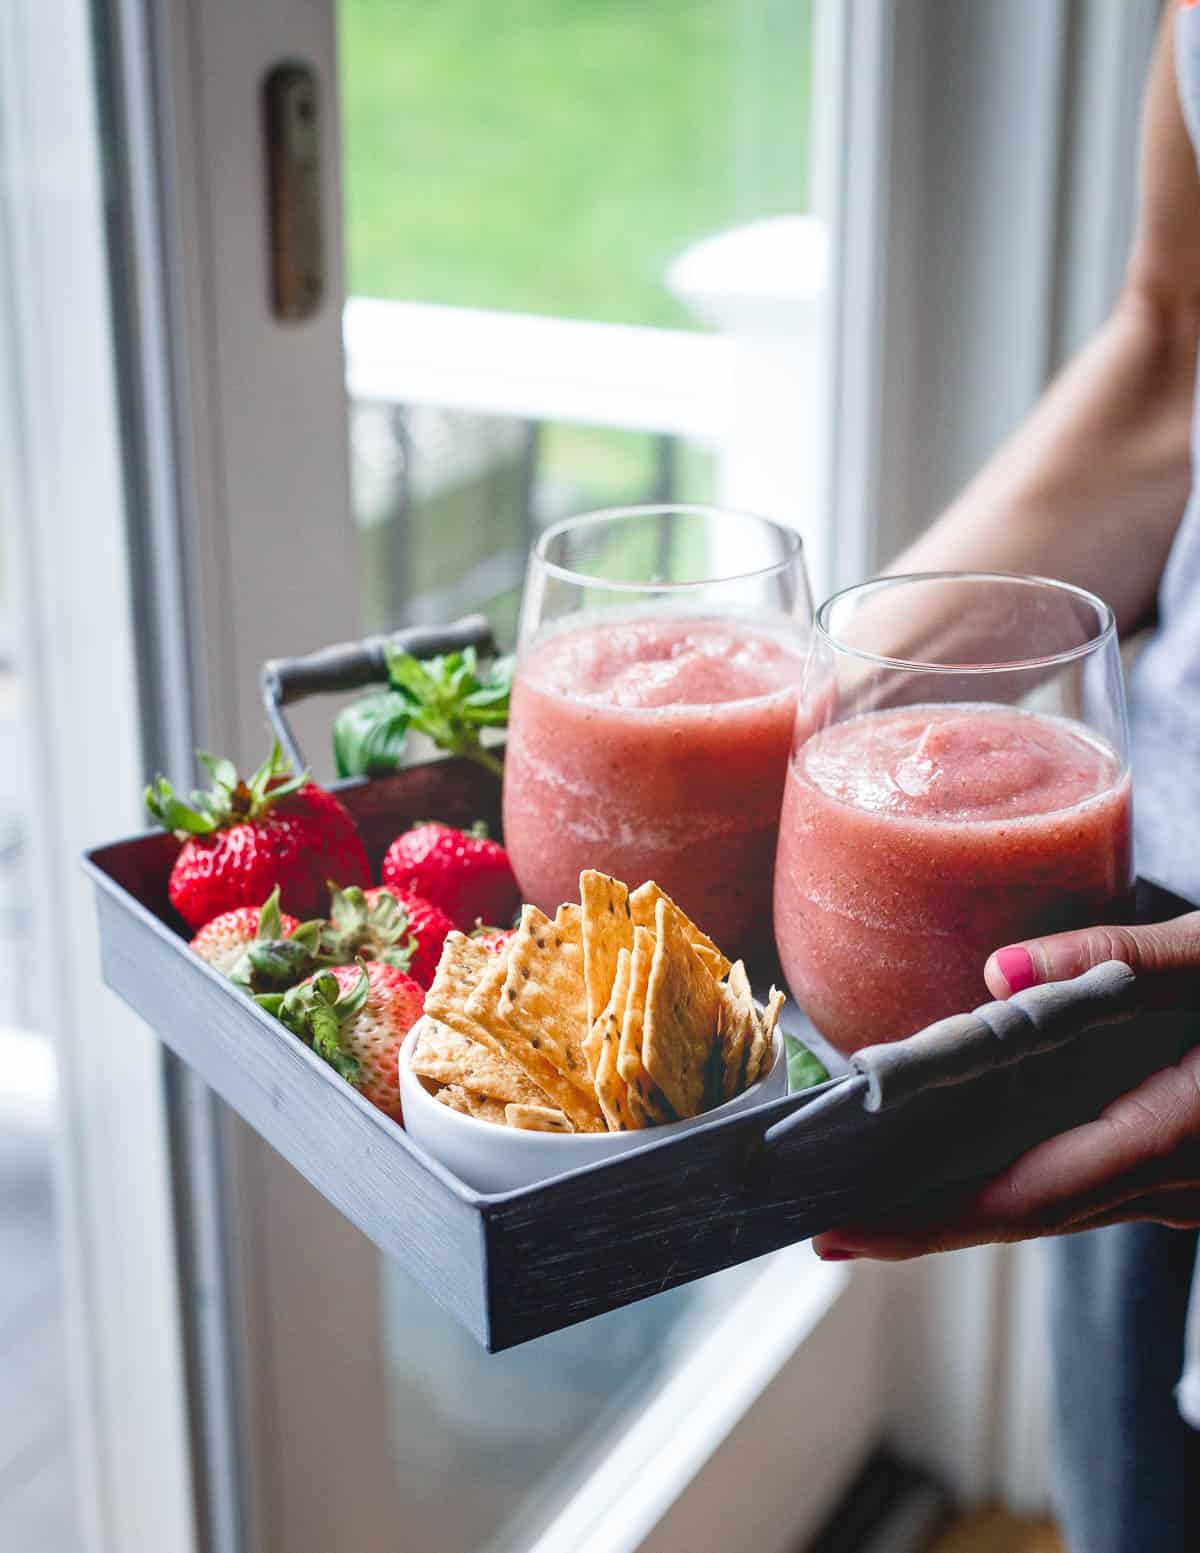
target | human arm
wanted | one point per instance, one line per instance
(1091, 490)
(1092, 486)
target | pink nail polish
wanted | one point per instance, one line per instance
(834, 1255)
(1016, 966)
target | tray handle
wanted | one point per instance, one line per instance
(966, 1046)
(350, 665)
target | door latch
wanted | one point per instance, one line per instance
(292, 129)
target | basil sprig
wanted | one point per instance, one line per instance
(450, 699)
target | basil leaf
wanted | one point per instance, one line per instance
(449, 698)
(369, 735)
(804, 1069)
(408, 674)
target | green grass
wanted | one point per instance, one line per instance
(553, 156)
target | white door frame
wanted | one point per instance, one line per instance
(256, 448)
(63, 503)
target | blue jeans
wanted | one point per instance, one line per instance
(1127, 1466)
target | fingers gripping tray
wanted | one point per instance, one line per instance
(896, 1128)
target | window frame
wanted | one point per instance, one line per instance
(194, 238)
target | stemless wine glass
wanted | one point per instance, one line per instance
(959, 781)
(659, 658)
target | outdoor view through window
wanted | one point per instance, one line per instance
(558, 161)
(527, 189)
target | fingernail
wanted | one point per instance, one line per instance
(836, 1255)
(1016, 966)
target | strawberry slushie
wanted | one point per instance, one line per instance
(654, 747)
(913, 842)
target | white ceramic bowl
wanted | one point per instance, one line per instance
(502, 1159)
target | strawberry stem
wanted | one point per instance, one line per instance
(229, 801)
(316, 1011)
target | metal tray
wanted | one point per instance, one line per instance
(515, 1266)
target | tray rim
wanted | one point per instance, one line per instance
(485, 1203)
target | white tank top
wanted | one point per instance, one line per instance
(1165, 697)
(1165, 689)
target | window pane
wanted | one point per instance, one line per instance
(37, 1476)
(553, 156)
(532, 191)
(449, 501)
(488, 1446)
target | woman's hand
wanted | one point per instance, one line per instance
(1140, 1159)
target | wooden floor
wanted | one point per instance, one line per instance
(992, 1531)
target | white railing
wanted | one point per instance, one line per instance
(540, 369)
(750, 393)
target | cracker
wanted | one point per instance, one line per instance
(761, 1054)
(536, 1118)
(643, 907)
(448, 1057)
(539, 1014)
(482, 1107)
(647, 1105)
(607, 929)
(737, 1025)
(481, 1004)
(611, 1089)
(682, 1004)
(464, 964)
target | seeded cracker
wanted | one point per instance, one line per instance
(611, 1089)
(646, 1104)
(536, 1118)
(607, 929)
(737, 1026)
(447, 1057)
(466, 1103)
(464, 965)
(643, 905)
(539, 1015)
(682, 1005)
(758, 1060)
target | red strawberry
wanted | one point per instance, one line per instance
(356, 1017)
(367, 925)
(382, 924)
(243, 839)
(463, 872)
(259, 948)
(497, 939)
(224, 940)
(428, 924)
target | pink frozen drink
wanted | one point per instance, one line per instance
(654, 747)
(913, 842)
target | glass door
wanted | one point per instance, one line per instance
(583, 270)
(566, 255)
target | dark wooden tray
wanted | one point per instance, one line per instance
(515, 1266)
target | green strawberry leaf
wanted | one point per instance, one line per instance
(229, 801)
(356, 931)
(805, 1069)
(270, 924)
(222, 771)
(280, 962)
(325, 1031)
(173, 814)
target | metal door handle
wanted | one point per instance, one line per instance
(292, 130)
